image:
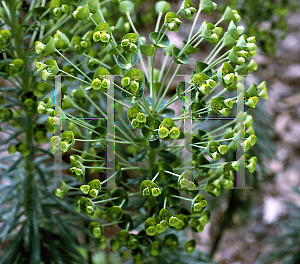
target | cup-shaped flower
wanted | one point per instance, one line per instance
(85, 189)
(5, 38)
(155, 191)
(163, 132)
(172, 21)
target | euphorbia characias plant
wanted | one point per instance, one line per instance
(153, 183)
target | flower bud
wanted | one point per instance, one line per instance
(198, 207)
(203, 220)
(252, 139)
(96, 84)
(59, 193)
(262, 86)
(214, 38)
(40, 66)
(155, 191)
(133, 47)
(55, 141)
(252, 53)
(41, 107)
(105, 83)
(251, 46)
(93, 193)
(39, 47)
(5, 38)
(84, 44)
(45, 75)
(97, 36)
(171, 25)
(125, 42)
(134, 86)
(151, 231)
(246, 145)
(146, 191)
(160, 229)
(97, 232)
(240, 30)
(263, 94)
(229, 78)
(229, 102)
(211, 83)
(164, 224)
(250, 130)
(217, 30)
(237, 16)
(89, 209)
(248, 120)
(222, 149)
(251, 167)
(134, 123)
(215, 155)
(104, 37)
(190, 246)
(64, 146)
(204, 88)
(163, 132)
(174, 132)
(85, 189)
(141, 118)
(251, 40)
(252, 101)
(125, 81)
(252, 66)
(241, 61)
(243, 53)
(173, 221)
(56, 12)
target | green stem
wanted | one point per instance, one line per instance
(210, 92)
(173, 99)
(85, 111)
(154, 178)
(215, 48)
(181, 197)
(218, 61)
(163, 83)
(221, 127)
(73, 65)
(126, 126)
(152, 158)
(174, 174)
(117, 101)
(131, 22)
(163, 67)
(165, 202)
(109, 178)
(74, 77)
(96, 106)
(106, 200)
(194, 23)
(58, 24)
(197, 44)
(98, 61)
(158, 21)
(131, 168)
(168, 87)
(145, 108)
(114, 223)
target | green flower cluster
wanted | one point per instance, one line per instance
(147, 144)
